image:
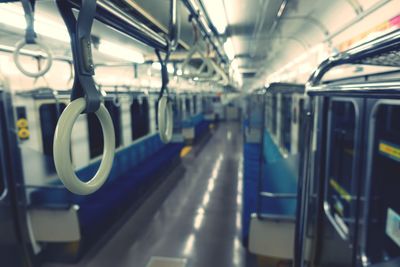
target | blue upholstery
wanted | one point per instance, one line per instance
(251, 171)
(134, 168)
(279, 176)
(199, 124)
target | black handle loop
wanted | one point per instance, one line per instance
(81, 45)
(29, 9)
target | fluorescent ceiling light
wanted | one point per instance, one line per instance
(281, 8)
(216, 11)
(120, 52)
(229, 49)
(13, 16)
(170, 67)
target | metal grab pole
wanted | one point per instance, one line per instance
(115, 17)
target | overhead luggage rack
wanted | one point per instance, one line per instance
(382, 51)
(285, 88)
(114, 16)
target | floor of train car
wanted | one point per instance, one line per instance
(198, 223)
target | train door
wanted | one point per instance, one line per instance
(381, 230)
(340, 183)
(13, 250)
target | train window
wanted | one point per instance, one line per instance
(95, 136)
(384, 215)
(2, 181)
(156, 109)
(115, 112)
(274, 114)
(187, 106)
(3, 126)
(341, 154)
(49, 114)
(268, 115)
(204, 105)
(21, 112)
(144, 118)
(96, 133)
(177, 115)
(135, 119)
(286, 122)
(194, 104)
(300, 126)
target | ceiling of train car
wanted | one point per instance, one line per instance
(265, 33)
(268, 33)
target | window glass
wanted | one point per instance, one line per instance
(204, 105)
(187, 106)
(301, 122)
(2, 170)
(49, 114)
(194, 104)
(135, 119)
(384, 220)
(286, 122)
(341, 153)
(144, 117)
(177, 115)
(115, 112)
(2, 185)
(274, 114)
(156, 109)
(96, 132)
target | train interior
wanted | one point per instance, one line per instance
(199, 133)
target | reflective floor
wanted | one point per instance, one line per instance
(200, 219)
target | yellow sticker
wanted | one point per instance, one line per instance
(22, 123)
(185, 151)
(342, 192)
(390, 150)
(24, 133)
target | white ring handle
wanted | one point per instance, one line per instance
(44, 70)
(62, 143)
(165, 120)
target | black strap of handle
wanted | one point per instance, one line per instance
(164, 73)
(29, 9)
(81, 44)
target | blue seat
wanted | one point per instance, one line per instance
(134, 169)
(278, 176)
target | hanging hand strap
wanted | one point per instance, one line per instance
(84, 98)
(31, 38)
(29, 9)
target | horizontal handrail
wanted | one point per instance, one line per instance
(115, 17)
(278, 195)
(276, 217)
(362, 54)
(47, 186)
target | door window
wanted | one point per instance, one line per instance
(340, 172)
(384, 203)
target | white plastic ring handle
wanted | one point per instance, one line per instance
(42, 46)
(165, 119)
(61, 148)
